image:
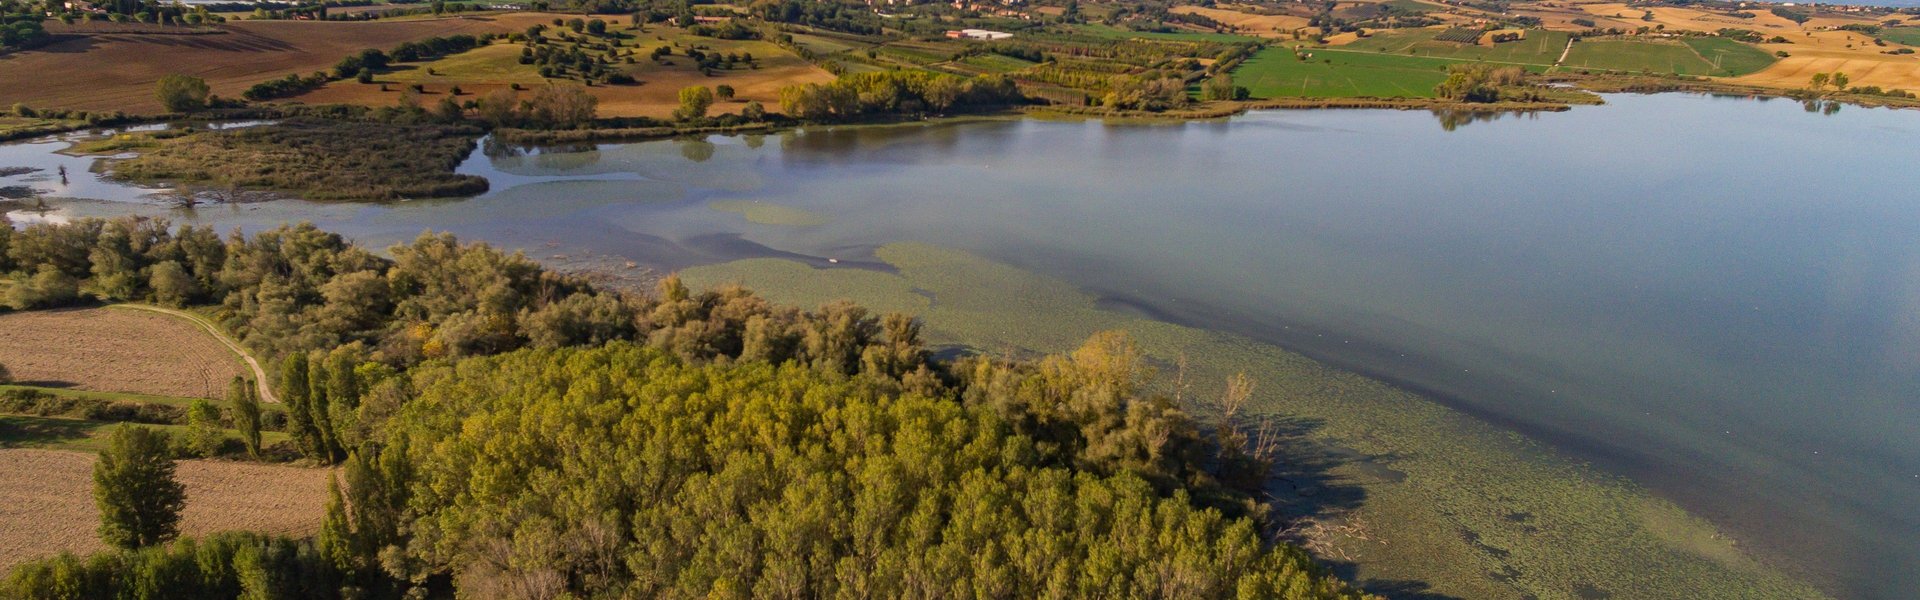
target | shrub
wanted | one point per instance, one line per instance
(182, 93)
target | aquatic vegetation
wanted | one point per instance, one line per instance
(767, 213)
(1412, 493)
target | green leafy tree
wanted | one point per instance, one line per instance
(297, 394)
(1840, 81)
(336, 532)
(182, 93)
(1819, 81)
(134, 488)
(1219, 87)
(245, 399)
(723, 91)
(171, 284)
(694, 102)
(205, 435)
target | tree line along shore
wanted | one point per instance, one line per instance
(503, 429)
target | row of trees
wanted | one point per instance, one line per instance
(897, 92)
(1478, 82)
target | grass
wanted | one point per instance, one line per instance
(996, 63)
(495, 63)
(178, 401)
(1433, 495)
(83, 435)
(1691, 57)
(914, 54)
(1276, 73)
(1540, 48)
(13, 127)
(1734, 58)
(1901, 35)
(1115, 33)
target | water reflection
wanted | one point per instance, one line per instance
(1700, 312)
(1817, 105)
(1453, 118)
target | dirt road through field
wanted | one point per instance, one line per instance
(259, 374)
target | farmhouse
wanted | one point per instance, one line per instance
(978, 34)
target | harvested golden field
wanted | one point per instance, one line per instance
(116, 71)
(115, 350)
(1836, 51)
(1687, 19)
(46, 501)
(1247, 22)
(482, 70)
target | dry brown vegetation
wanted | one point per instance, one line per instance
(483, 70)
(114, 350)
(46, 501)
(117, 71)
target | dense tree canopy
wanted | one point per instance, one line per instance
(505, 431)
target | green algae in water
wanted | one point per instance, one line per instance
(768, 213)
(1445, 520)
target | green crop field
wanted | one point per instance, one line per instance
(1734, 58)
(1116, 33)
(996, 63)
(1276, 73)
(1695, 56)
(1901, 35)
(1541, 47)
(497, 63)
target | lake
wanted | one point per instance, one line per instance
(1718, 298)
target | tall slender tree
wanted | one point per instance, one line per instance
(242, 394)
(134, 487)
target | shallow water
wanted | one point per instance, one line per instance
(1719, 298)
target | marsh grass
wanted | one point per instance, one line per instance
(316, 159)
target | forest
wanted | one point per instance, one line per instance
(507, 431)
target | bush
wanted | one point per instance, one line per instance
(182, 93)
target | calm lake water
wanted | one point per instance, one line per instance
(1719, 298)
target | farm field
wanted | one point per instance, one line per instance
(1541, 47)
(46, 502)
(1687, 19)
(497, 66)
(1689, 57)
(108, 72)
(1248, 23)
(1116, 33)
(1276, 73)
(1901, 35)
(126, 351)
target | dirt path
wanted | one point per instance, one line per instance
(259, 374)
(1564, 53)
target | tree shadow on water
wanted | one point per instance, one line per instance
(1301, 484)
(1403, 589)
(1312, 503)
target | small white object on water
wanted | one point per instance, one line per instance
(834, 260)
